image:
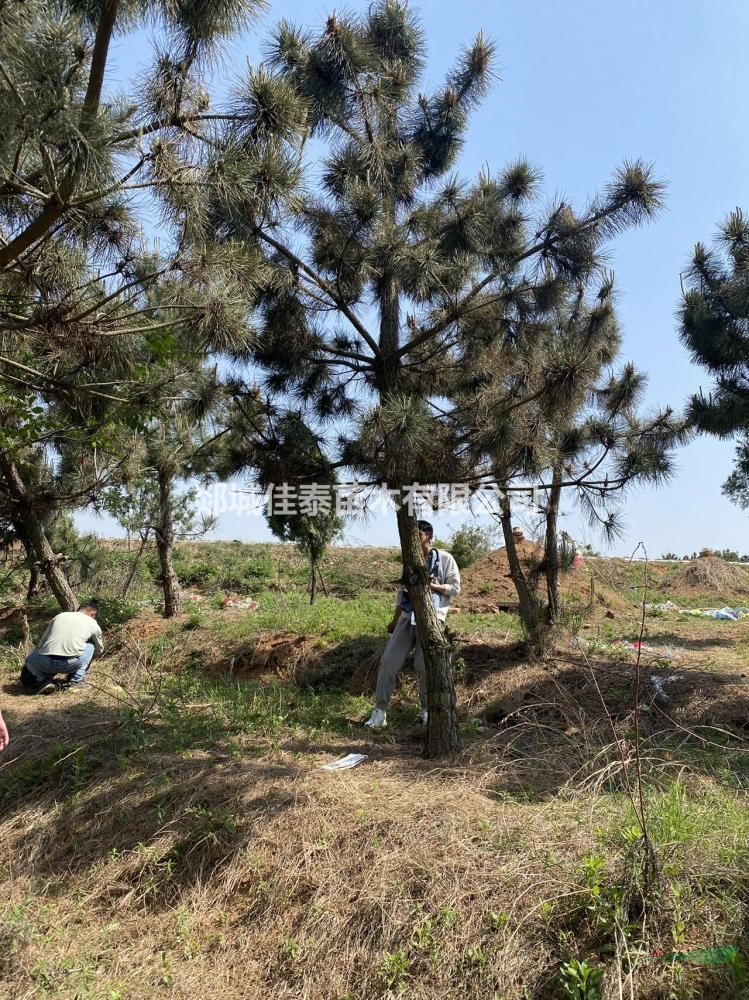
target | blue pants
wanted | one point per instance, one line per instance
(43, 667)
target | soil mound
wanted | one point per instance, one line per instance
(488, 582)
(709, 573)
(486, 586)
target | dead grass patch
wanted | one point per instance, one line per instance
(709, 574)
(211, 860)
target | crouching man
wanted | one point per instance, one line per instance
(444, 581)
(67, 647)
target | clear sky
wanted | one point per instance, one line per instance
(583, 85)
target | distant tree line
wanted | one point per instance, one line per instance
(729, 555)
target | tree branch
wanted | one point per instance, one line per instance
(326, 287)
(57, 203)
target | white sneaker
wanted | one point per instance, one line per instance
(423, 717)
(378, 719)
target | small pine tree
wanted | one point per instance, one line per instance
(555, 411)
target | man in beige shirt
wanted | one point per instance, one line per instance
(67, 647)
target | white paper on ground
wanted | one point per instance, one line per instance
(350, 760)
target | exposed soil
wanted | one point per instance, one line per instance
(271, 656)
(486, 586)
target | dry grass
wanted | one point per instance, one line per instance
(270, 878)
(157, 842)
(265, 877)
(205, 874)
(709, 574)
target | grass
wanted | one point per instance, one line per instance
(329, 619)
(170, 831)
(261, 711)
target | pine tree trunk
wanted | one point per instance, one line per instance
(551, 547)
(442, 737)
(313, 581)
(134, 566)
(529, 610)
(32, 590)
(165, 546)
(388, 365)
(33, 530)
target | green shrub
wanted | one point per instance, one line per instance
(116, 611)
(199, 574)
(261, 568)
(469, 543)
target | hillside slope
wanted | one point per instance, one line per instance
(169, 832)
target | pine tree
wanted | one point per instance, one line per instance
(177, 443)
(556, 412)
(388, 276)
(294, 455)
(89, 312)
(64, 140)
(714, 319)
(736, 487)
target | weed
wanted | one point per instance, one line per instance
(546, 909)
(156, 875)
(423, 935)
(604, 904)
(189, 941)
(196, 619)
(459, 669)
(678, 923)
(64, 767)
(209, 821)
(394, 969)
(290, 949)
(581, 981)
(16, 931)
(476, 957)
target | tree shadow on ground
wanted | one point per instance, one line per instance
(684, 642)
(175, 797)
(86, 787)
(542, 726)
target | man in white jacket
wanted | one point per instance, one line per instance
(66, 647)
(444, 580)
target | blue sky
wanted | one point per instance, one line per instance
(584, 85)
